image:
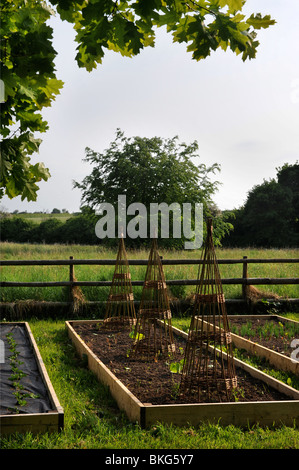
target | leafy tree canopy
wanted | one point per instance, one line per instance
(270, 215)
(150, 170)
(129, 26)
(27, 58)
(30, 83)
(147, 170)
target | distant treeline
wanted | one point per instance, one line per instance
(77, 229)
(268, 219)
(80, 229)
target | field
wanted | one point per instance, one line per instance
(38, 218)
(92, 419)
(105, 273)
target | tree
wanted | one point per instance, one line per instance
(16, 229)
(147, 171)
(128, 27)
(266, 213)
(79, 229)
(47, 231)
(28, 73)
(269, 217)
(27, 58)
(288, 177)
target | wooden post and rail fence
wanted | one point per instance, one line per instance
(72, 283)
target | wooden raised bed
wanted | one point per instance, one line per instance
(265, 413)
(50, 415)
(277, 359)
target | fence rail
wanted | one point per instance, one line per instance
(244, 281)
(139, 262)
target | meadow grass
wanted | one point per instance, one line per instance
(39, 217)
(105, 273)
(93, 421)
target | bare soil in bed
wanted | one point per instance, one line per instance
(152, 382)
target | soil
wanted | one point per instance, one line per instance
(280, 344)
(151, 381)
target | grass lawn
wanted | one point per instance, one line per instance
(93, 421)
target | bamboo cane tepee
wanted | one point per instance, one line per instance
(207, 373)
(153, 332)
(120, 310)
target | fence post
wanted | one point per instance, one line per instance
(245, 276)
(71, 280)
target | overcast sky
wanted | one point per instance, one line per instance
(245, 116)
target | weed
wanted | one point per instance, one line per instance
(289, 381)
(136, 336)
(238, 393)
(175, 390)
(177, 367)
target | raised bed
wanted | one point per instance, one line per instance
(284, 409)
(277, 351)
(28, 400)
